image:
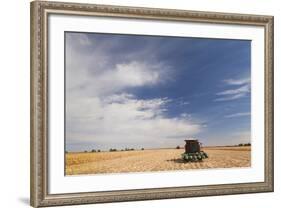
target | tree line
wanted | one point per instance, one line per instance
(112, 150)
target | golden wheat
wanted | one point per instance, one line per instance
(154, 160)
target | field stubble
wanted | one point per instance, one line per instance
(154, 160)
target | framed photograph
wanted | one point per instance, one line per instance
(135, 104)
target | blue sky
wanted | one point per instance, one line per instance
(152, 91)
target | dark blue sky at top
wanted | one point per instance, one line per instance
(198, 68)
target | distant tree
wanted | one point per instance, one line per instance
(85, 151)
(178, 147)
(93, 150)
(142, 148)
(112, 150)
(66, 152)
(244, 144)
(98, 150)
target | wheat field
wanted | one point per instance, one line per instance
(154, 160)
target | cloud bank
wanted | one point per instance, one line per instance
(102, 110)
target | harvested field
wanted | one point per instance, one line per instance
(154, 160)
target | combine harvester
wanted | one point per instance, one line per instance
(193, 151)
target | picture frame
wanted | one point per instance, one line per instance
(40, 103)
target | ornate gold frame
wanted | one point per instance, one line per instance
(39, 103)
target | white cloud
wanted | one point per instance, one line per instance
(122, 119)
(241, 90)
(100, 109)
(236, 93)
(237, 81)
(125, 75)
(136, 74)
(93, 72)
(184, 103)
(238, 115)
(233, 97)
